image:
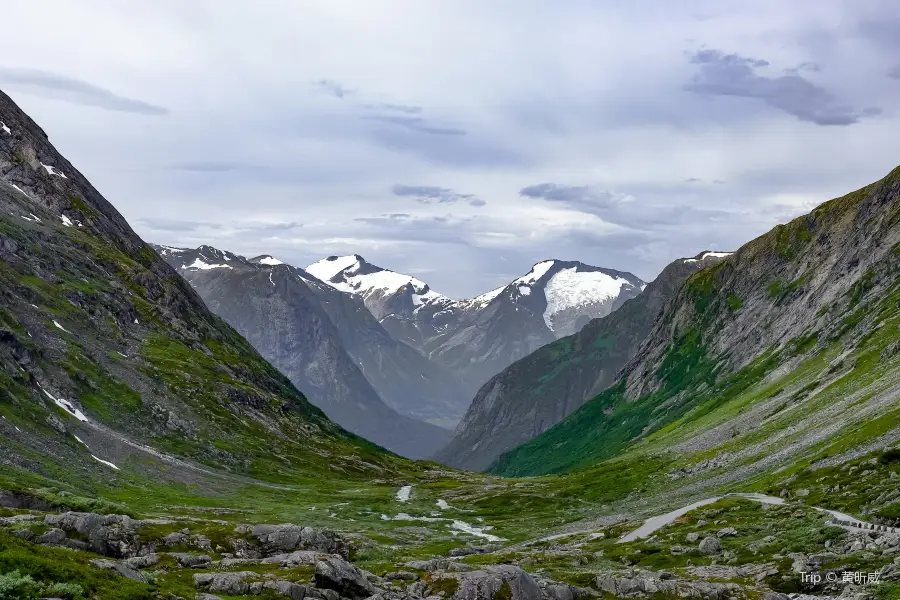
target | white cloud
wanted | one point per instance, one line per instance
(312, 113)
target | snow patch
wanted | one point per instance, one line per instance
(270, 260)
(105, 462)
(54, 171)
(404, 493)
(716, 254)
(20, 190)
(79, 440)
(66, 406)
(524, 290)
(271, 280)
(199, 264)
(5, 128)
(570, 288)
(536, 272)
(58, 326)
(476, 531)
(442, 504)
(33, 218)
(66, 220)
(327, 268)
(487, 297)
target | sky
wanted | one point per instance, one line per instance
(462, 141)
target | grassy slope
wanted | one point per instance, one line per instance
(696, 390)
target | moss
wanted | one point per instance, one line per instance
(446, 586)
(80, 205)
(504, 592)
(734, 303)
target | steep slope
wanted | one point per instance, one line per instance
(795, 334)
(111, 367)
(540, 390)
(477, 338)
(282, 311)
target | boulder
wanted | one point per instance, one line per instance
(231, 584)
(109, 535)
(119, 568)
(287, 537)
(289, 589)
(438, 564)
(191, 561)
(335, 573)
(710, 545)
(692, 537)
(726, 532)
(496, 581)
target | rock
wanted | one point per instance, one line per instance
(726, 532)
(52, 536)
(208, 597)
(692, 537)
(457, 552)
(496, 581)
(299, 557)
(289, 589)
(191, 561)
(438, 564)
(109, 535)
(802, 493)
(401, 576)
(141, 562)
(335, 573)
(232, 584)
(644, 584)
(23, 534)
(173, 539)
(124, 571)
(710, 545)
(677, 550)
(280, 539)
(776, 596)
(558, 591)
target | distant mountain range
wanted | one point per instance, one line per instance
(329, 345)
(476, 338)
(538, 391)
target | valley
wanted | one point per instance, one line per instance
(150, 449)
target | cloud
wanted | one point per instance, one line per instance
(416, 124)
(734, 75)
(332, 88)
(401, 108)
(894, 72)
(428, 194)
(623, 209)
(75, 91)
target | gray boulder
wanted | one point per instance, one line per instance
(109, 535)
(191, 561)
(710, 545)
(119, 568)
(335, 573)
(231, 584)
(287, 537)
(508, 580)
(438, 564)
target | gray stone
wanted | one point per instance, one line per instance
(232, 584)
(438, 564)
(487, 581)
(692, 537)
(726, 532)
(289, 589)
(119, 568)
(52, 536)
(710, 545)
(335, 573)
(191, 561)
(401, 576)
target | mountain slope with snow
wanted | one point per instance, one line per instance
(541, 389)
(476, 338)
(330, 346)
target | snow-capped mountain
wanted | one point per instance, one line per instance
(476, 338)
(330, 345)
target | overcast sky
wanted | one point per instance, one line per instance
(462, 141)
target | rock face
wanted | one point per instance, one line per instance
(91, 311)
(337, 574)
(496, 581)
(826, 280)
(538, 391)
(477, 338)
(329, 346)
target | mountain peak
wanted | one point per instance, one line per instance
(266, 259)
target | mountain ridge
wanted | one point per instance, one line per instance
(823, 285)
(541, 389)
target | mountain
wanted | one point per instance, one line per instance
(538, 391)
(478, 337)
(327, 343)
(112, 369)
(791, 341)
